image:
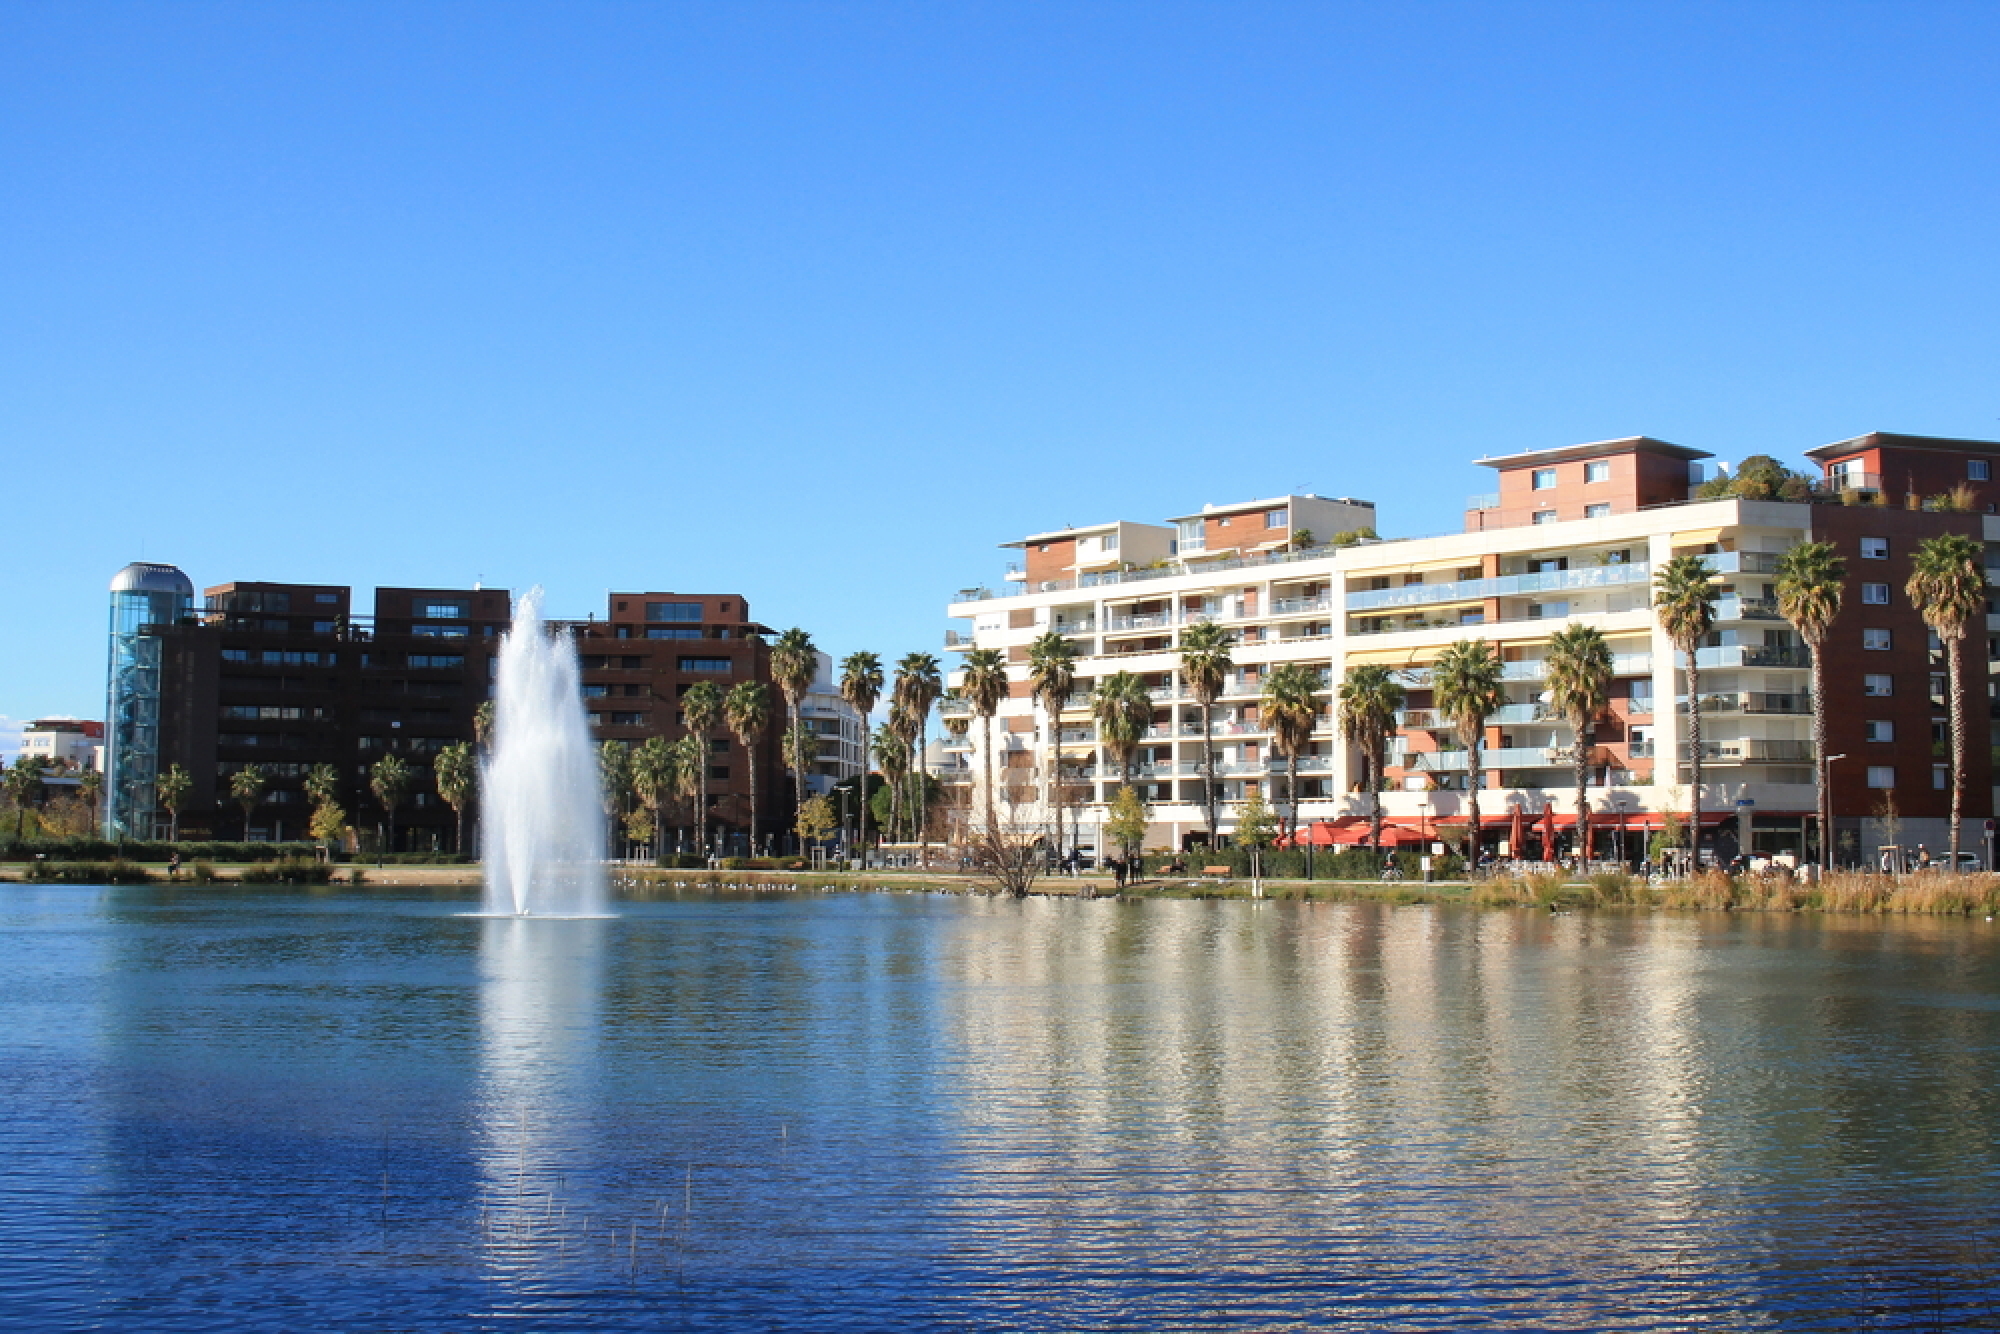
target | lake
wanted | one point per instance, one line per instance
(285, 1110)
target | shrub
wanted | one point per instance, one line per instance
(203, 873)
(88, 873)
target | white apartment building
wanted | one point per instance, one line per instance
(840, 735)
(1529, 564)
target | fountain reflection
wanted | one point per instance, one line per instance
(541, 989)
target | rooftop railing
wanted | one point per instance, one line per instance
(1505, 585)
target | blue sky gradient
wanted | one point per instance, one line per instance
(818, 303)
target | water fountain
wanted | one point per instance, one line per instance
(543, 827)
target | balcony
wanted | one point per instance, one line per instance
(954, 708)
(958, 639)
(1854, 481)
(1534, 669)
(1489, 500)
(1752, 752)
(1506, 585)
(1736, 655)
(1736, 608)
(1298, 606)
(1742, 562)
(1152, 620)
(1082, 625)
(1496, 757)
(1750, 702)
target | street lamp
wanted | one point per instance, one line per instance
(1826, 818)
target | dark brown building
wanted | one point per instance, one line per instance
(287, 676)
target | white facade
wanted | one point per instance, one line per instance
(1398, 603)
(65, 742)
(840, 735)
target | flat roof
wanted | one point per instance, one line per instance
(1243, 507)
(1878, 439)
(1085, 531)
(1631, 444)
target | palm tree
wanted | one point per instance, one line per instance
(1467, 688)
(482, 724)
(247, 786)
(653, 782)
(1206, 664)
(861, 687)
(91, 784)
(1290, 705)
(983, 685)
(689, 767)
(457, 771)
(1684, 597)
(701, 709)
(1811, 580)
(390, 781)
(747, 710)
(796, 745)
(614, 782)
(1052, 676)
(918, 685)
(1123, 709)
(25, 779)
(322, 784)
(892, 752)
(1579, 675)
(794, 663)
(1370, 695)
(1948, 586)
(173, 788)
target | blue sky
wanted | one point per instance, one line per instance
(819, 302)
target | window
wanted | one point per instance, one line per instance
(628, 720)
(1193, 536)
(327, 598)
(1596, 472)
(704, 664)
(1642, 696)
(1878, 684)
(1978, 470)
(1597, 511)
(1875, 595)
(593, 692)
(673, 611)
(1274, 518)
(236, 655)
(1543, 611)
(437, 660)
(260, 712)
(1878, 729)
(1876, 639)
(1544, 479)
(442, 611)
(1881, 776)
(1941, 773)
(1110, 542)
(440, 631)
(1874, 548)
(323, 627)
(1222, 522)
(718, 773)
(673, 632)
(1545, 516)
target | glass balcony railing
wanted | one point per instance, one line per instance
(1738, 655)
(1534, 669)
(1506, 585)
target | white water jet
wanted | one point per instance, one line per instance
(543, 827)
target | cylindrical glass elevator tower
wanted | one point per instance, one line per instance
(143, 596)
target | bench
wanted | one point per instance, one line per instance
(1218, 872)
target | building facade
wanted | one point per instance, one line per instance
(67, 745)
(1570, 535)
(288, 677)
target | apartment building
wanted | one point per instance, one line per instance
(286, 676)
(1569, 534)
(64, 744)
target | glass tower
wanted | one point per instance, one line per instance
(142, 596)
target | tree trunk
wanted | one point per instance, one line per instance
(1694, 759)
(1208, 766)
(1473, 782)
(1822, 770)
(1292, 792)
(992, 814)
(458, 838)
(701, 798)
(1373, 768)
(1953, 650)
(1582, 762)
(750, 749)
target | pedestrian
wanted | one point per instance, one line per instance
(174, 865)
